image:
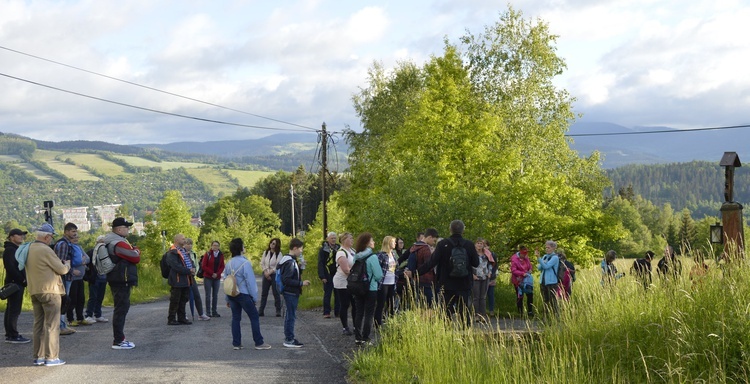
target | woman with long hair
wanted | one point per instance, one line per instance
(365, 303)
(268, 261)
(387, 260)
(344, 261)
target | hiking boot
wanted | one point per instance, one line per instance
(17, 340)
(293, 344)
(215, 315)
(53, 362)
(263, 346)
(173, 322)
(123, 345)
(67, 331)
(185, 321)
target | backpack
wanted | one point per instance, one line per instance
(101, 259)
(230, 283)
(279, 280)
(164, 266)
(459, 262)
(526, 285)
(561, 270)
(358, 283)
(200, 267)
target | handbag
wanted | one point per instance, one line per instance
(7, 290)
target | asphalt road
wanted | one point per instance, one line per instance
(201, 352)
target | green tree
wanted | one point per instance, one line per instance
(476, 134)
(688, 233)
(636, 237)
(172, 216)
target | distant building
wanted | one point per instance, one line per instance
(138, 228)
(107, 214)
(78, 216)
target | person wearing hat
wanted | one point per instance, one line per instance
(43, 271)
(18, 277)
(122, 278)
(520, 267)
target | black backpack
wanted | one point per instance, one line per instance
(358, 283)
(459, 261)
(164, 266)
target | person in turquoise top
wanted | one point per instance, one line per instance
(365, 304)
(548, 265)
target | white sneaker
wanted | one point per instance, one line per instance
(88, 321)
(101, 319)
(204, 318)
(123, 345)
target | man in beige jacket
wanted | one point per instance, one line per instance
(43, 271)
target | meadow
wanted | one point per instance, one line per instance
(680, 330)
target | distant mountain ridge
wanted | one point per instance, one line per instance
(656, 148)
(266, 146)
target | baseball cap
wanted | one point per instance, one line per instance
(16, 231)
(119, 222)
(47, 227)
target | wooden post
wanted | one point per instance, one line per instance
(731, 211)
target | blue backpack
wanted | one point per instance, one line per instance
(526, 286)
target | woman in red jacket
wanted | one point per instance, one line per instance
(520, 267)
(212, 264)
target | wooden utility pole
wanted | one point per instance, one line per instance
(323, 173)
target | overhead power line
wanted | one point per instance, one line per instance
(659, 131)
(151, 109)
(153, 89)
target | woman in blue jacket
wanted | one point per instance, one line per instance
(548, 265)
(365, 304)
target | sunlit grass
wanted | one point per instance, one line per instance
(677, 331)
(215, 179)
(247, 179)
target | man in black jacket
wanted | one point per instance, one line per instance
(326, 270)
(18, 277)
(456, 290)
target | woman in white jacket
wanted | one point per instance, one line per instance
(268, 262)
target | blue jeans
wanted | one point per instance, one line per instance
(427, 291)
(239, 303)
(211, 287)
(327, 293)
(291, 301)
(97, 290)
(491, 298)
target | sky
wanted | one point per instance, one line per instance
(680, 64)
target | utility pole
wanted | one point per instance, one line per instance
(294, 228)
(323, 173)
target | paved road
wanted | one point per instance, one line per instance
(201, 352)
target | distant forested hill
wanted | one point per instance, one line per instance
(697, 185)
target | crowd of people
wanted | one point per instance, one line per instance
(458, 273)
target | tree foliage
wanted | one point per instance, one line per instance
(476, 134)
(172, 216)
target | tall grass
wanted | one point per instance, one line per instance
(674, 332)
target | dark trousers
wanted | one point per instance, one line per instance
(363, 317)
(327, 293)
(345, 298)
(384, 305)
(12, 311)
(457, 302)
(121, 298)
(96, 297)
(178, 297)
(529, 302)
(265, 286)
(77, 298)
(549, 295)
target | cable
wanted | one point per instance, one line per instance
(660, 131)
(152, 110)
(151, 88)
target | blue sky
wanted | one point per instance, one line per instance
(634, 63)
